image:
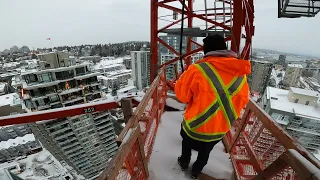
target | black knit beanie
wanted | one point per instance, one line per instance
(213, 43)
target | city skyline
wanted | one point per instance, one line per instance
(88, 24)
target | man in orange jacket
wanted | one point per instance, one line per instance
(216, 90)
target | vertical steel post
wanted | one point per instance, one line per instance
(181, 33)
(153, 41)
(237, 26)
(189, 45)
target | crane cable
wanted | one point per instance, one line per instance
(181, 34)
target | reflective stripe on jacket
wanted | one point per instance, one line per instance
(216, 90)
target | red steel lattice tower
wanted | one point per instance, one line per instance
(231, 18)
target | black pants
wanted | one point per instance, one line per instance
(203, 148)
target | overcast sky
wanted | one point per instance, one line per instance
(75, 22)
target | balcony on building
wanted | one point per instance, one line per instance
(63, 135)
(67, 140)
(70, 144)
(102, 121)
(40, 92)
(36, 80)
(106, 124)
(55, 123)
(89, 81)
(89, 77)
(60, 129)
(93, 95)
(78, 100)
(68, 87)
(100, 114)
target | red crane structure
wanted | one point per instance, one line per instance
(232, 19)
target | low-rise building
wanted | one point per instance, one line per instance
(13, 131)
(10, 104)
(296, 110)
(113, 73)
(19, 146)
(41, 165)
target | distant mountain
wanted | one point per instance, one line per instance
(279, 52)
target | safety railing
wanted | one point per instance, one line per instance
(260, 149)
(137, 138)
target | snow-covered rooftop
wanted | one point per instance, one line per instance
(263, 62)
(10, 99)
(108, 62)
(167, 148)
(86, 76)
(40, 71)
(279, 100)
(8, 74)
(17, 141)
(118, 72)
(41, 166)
(102, 66)
(295, 65)
(127, 89)
(2, 85)
(305, 92)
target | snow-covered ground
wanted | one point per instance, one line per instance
(317, 155)
(41, 166)
(107, 61)
(274, 75)
(167, 148)
(174, 104)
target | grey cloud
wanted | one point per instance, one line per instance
(74, 22)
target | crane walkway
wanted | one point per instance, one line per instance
(167, 148)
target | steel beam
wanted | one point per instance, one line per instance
(57, 113)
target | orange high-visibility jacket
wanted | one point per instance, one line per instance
(216, 90)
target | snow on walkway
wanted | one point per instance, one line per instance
(163, 161)
(174, 104)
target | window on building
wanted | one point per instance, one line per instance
(40, 102)
(47, 66)
(80, 71)
(307, 103)
(54, 98)
(296, 100)
(64, 75)
(37, 92)
(46, 77)
(29, 104)
(59, 75)
(31, 78)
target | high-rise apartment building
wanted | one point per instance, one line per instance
(260, 75)
(165, 55)
(140, 61)
(282, 60)
(85, 142)
(292, 75)
(174, 42)
(297, 111)
(170, 69)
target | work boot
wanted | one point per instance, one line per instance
(195, 176)
(182, 166)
